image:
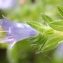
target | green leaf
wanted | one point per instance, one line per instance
(37, 26)
(52, 42)
(57, 25)
(38, 41)
(46, 18)
(60, 9)
(48, 32)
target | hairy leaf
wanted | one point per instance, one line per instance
(52, 42)
(46, 18)
(57, 25)
(38, 41)
(37, 26)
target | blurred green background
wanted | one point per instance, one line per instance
(30, 10)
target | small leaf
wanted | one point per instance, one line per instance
(60, 9)
(38, 41)
(37, 26)
(49, 31)
(57, 25)
(46, 18)
(52, 42)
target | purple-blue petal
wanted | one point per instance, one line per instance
(18, 31)
(7, 4)
(22, 31)
(5, 23)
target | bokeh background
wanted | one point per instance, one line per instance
(31, 10)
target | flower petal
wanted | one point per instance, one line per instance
(7, 4)
(5, 23)
(17, 31)
(22, 31)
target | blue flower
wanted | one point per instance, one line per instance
(16, 31)
(7, 4)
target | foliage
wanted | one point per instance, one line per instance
(49, 37)
(50, 32)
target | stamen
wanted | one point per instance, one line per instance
(9, 37)
(5, 40)
(3, 31)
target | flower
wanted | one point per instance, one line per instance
(16, 31)
(6, 4)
